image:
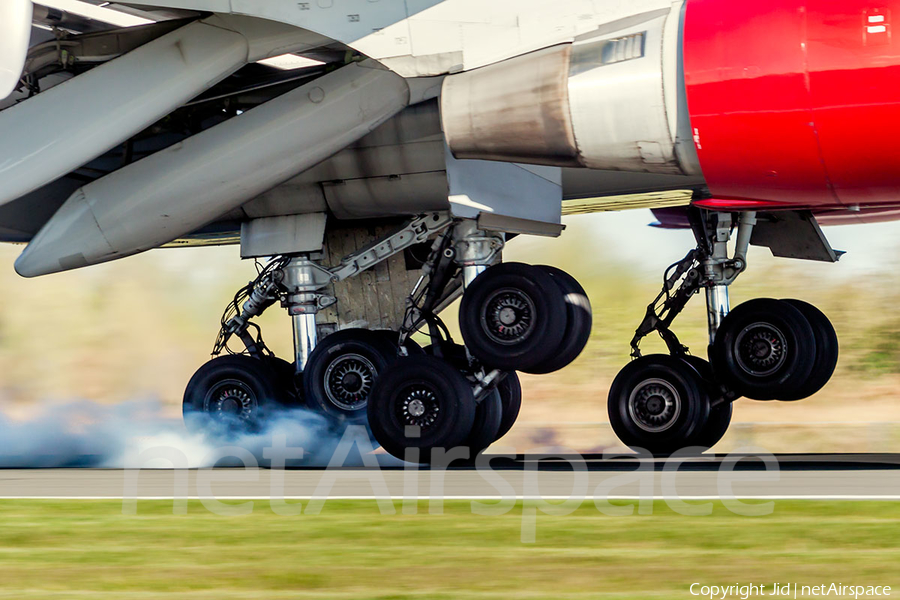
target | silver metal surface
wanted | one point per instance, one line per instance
(416, 408)
(513, 111)
(720, 271)
(717, 307)
(303, 278)
(609, 100)
(305, 338)
(302, 275)
(475, 249)
(618, 116)
(470, 272)
(288, 234)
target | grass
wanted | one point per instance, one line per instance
(88, 549)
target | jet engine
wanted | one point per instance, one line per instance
(613, 99)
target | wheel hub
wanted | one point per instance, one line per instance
(230, 405)
(231, 399)
(509, 316)
(761, 349)
(419, 407)
(348, 381)
(654, 405)
(352, 382)
(416, 408)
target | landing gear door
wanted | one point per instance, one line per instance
(513, 195)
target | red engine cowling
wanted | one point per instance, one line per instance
(795, 101)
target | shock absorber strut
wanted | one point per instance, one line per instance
(707, 266)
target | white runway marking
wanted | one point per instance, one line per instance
(835, 498)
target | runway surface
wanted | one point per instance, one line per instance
(797, 476)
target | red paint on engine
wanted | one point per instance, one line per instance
(796, 101)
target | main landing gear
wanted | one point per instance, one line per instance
(763, 349)
(445, 401)
(513, 317)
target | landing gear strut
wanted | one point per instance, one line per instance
(763, 349)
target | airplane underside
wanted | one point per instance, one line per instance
(375, 191)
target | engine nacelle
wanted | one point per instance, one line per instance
(613, 99)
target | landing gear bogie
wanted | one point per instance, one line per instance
(513, 316)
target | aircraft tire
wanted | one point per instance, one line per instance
(510, 390)
(421, 395)
(764, 349)
(230, 393)
(286, 377)
(392, 337)
(827, 350)
(342, 371)
(719, 415)
(488, 416)
(658, 404)
(513, 317)
(578, 322)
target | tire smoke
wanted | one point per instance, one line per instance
(88, 434)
